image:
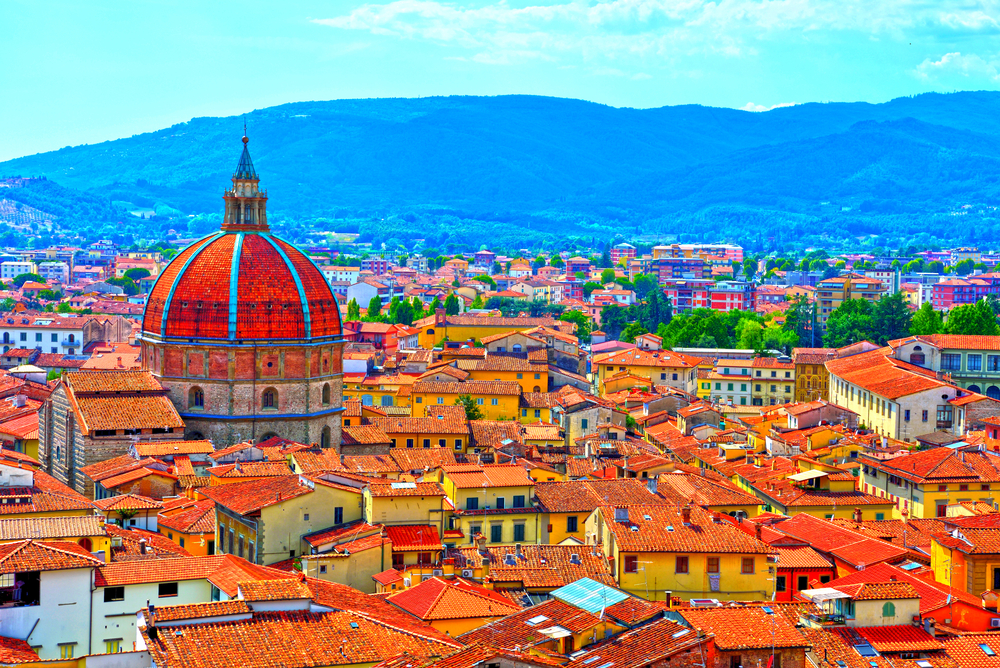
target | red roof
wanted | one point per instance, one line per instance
(458, 599)
(414, 537)
(280, 294)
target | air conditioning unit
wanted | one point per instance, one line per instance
(425, 577)
(995, 623)
(467, 573)
(438, 571)
(406, 582)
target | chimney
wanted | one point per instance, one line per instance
(758, 531)
(686, 515)
(481, 543)
(151, 620)
(651, 484)
(142, 546)
(857, 515)
(517, 547)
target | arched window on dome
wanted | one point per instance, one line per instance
(196, 398)
(326, 394)
(324, 438)
(269, 400)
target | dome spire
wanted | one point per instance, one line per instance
(246, 204)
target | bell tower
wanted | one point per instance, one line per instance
(246, 204)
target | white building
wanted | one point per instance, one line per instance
(10, 269)
(54, 271)
(49, 334)
(340, 274)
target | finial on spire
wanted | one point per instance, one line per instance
(245, 138)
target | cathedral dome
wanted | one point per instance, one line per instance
(241, 283)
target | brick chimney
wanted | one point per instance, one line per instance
(857, 515)
(758, 531)
(686, 515)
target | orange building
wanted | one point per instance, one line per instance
(191, 525)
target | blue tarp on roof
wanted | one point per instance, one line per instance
(589, 595)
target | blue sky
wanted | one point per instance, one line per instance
(82, 72)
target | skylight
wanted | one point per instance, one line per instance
(404, 485)
(537, 620)
(767, 610)
(681, 633)
(987, 649)
(591, 659)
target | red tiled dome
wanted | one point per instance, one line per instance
(269, 290)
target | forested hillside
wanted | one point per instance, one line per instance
(531, 169)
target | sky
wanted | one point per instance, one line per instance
(79, 72)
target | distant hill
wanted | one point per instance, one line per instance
(525, 168)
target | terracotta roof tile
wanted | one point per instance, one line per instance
(128, 502)
(32, 555)
(649, 645)
(451, 599)
(539, 566)
(585, 495)
(413, 537)
(167, 448)
(702, 535)
(248, 497)
(747, 627)
(198, 519)
(49, 528)
(273, 590)
(490, 475)
(471, 387)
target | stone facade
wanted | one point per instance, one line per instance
(305, 382)
(63, 448)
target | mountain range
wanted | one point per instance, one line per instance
(521, 168)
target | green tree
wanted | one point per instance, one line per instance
(478, 301)
(606, 256)
(64, 308)
(975, 319)
(434, 306)
(353, 310)
(643, 285)
(7, 304)
(21, 279)
(137, 274)
(631, 331)
(126, 284)
(556, 261)
(451, 305)
(582, 324)
(964, 267)
(589, 287)
(607, 276)
(472, 411)
(851, 322)
(375, 308)
(749, 268)
(488, 280)
(892, 318)
(50, 295)
(404, 313)
(926, 321)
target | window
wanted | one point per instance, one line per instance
(518, 501)
(501, 503)
(571, 524)
(963, 488)
(472, 503)
(38, 337)
(583, 423)
(420, 400)
(520, 376)
(322, 569)
(538, 412)
(239, 549)
(713, 565)
(182, 541)
(757, 387)
(440, 400)
(24, 337)
(993, 362)
(496, 533)
(779, 583)
(326, 393)
(494, 401)
(114, 594)
(66, 651)
(479, 402)
(674, 377)
(338, 515)
(889, 609)
(518, 532)
(923, 416)
(269, 399)
(974, 362)
(802, 582)
(942, 510)
(748, 566)
(458, 444)
(197, 399)
(951, 362)
(409, 442)
(427, 442)
(681, 565)
(113, 646)
(167, 589)
(631, 563)
(736, 662)
(906, 415)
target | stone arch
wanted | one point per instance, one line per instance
(993, 392)
(974, 388)
(194, 436)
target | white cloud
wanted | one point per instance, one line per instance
(957, 64)
(750, 106)
(659, 30)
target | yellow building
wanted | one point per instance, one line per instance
(41, 494)
(191, 525)
(832, 292)
(348, 554)
(86, 531)
(530, 376)
(453, 606)
(493, 500)
(925, 483)
(660, 367)
(437, 328)
(23, 432)
(262, 520)
(497, 400)
(811, 377)
(821, 494)
(565, 506)
(447, 431)
(378, 389)
(970, 561)
(657, 551)
(773, 382)
(537, 407)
